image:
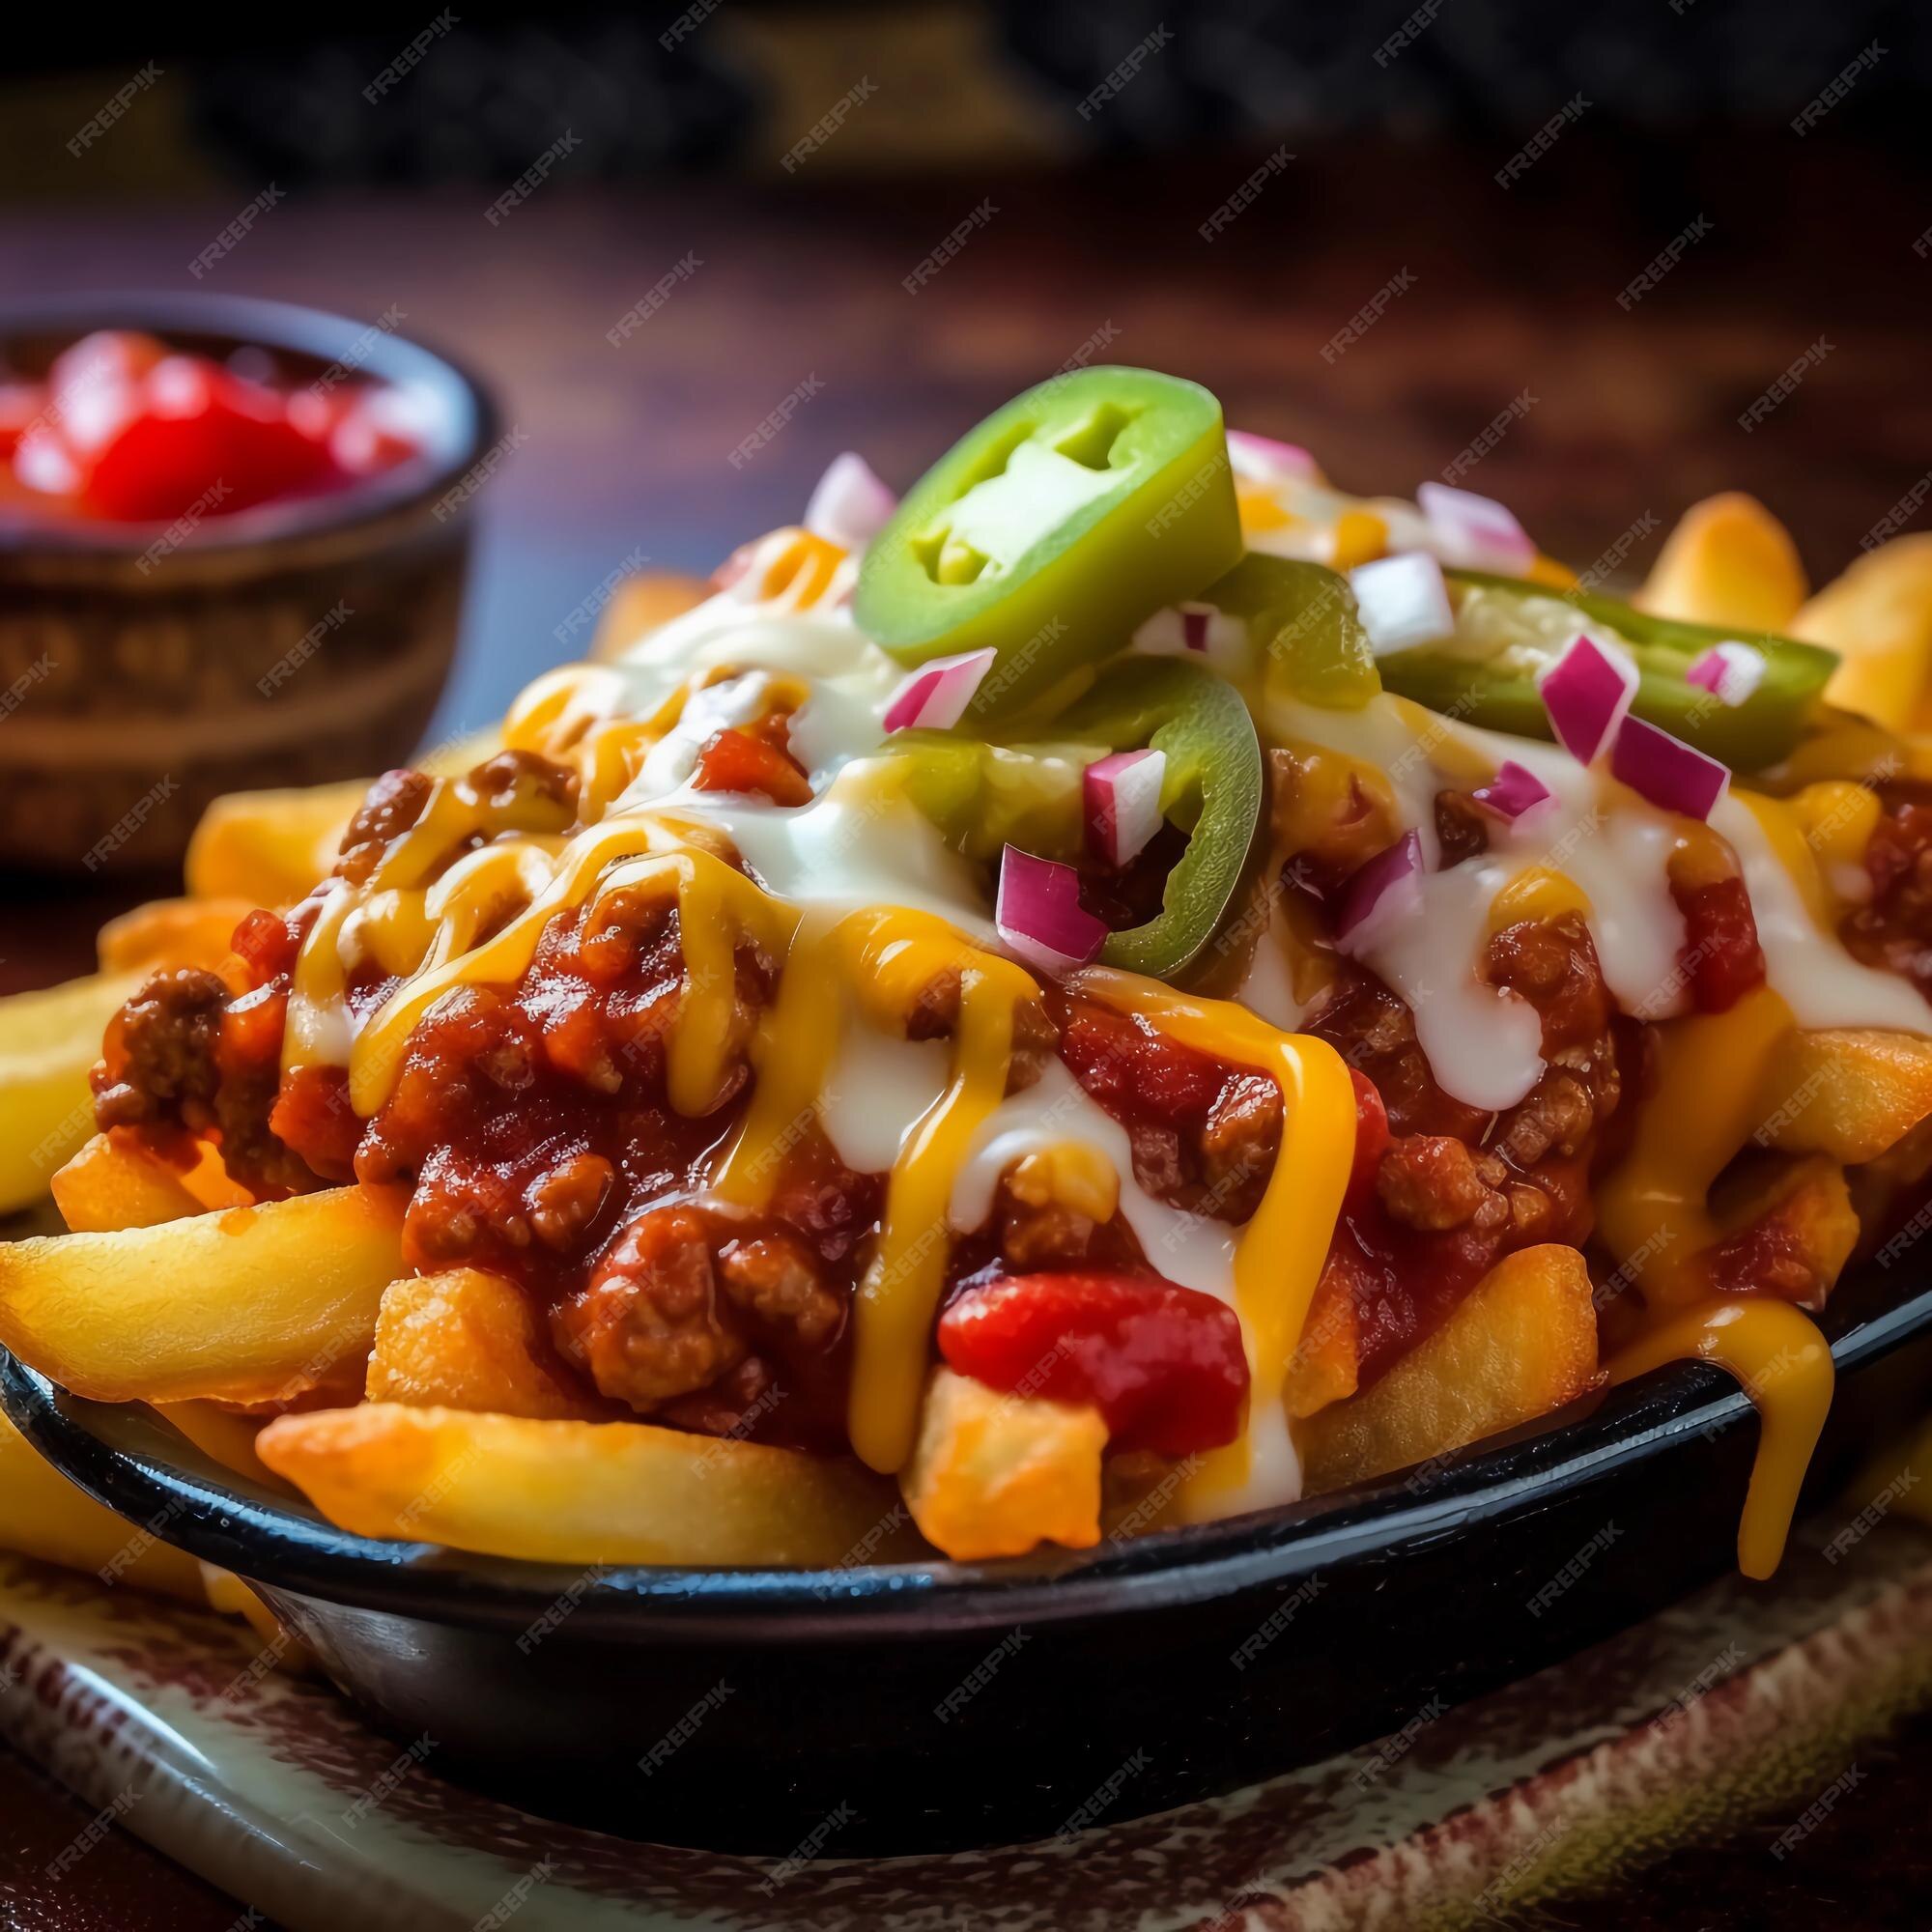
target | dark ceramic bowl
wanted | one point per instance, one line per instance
(153, 670)
(896, 1709)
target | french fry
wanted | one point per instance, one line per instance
(1523, 1341)
(1789, 1230)
(1878, 618)
(44, 1515)
(1850, 1093)
(1327, 1358)
(256, 1304)
(270, 847)
(48, 1043)
(172, 932)
(114, 1183)
(464, 1338)
(640, 603)
(221, 1436)
(1730, 561)
(994, 1475)
(582, 1491)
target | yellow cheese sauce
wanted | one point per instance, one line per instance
(856, 907)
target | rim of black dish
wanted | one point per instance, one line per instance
(292, 328)
(241, 1527)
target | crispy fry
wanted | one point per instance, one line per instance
(42, 1515)
(464, 1338)
(172, 932)
(49, 1042)
(1878, 618)
(115, 1183)
(640, 603)
(269, 847)
(1524, 1342)
(1327, 1360)
(583, 1491)
(994, 1475)
(1730, 561)
(1851, 1093)
(222, 1436)
(1789, 1230)
(252, 1305)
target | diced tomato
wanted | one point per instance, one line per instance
(1136, 1073)
(1372, 1139)
(312, 1112)
(1162, 1363)
(1721, 958)
(269, 944)
(735, 760)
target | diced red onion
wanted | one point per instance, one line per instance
(1122, 796)
(937, 694)
(1586, 692)
(1729, 671)
(850, 506)
(1513, 790)
(1040, 915)
(1380, 895)
(1260, 459)
(1404, 600)
(1476, 531)
(1191, 627)
(1667, 771)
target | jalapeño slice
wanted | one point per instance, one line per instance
(1051, 530)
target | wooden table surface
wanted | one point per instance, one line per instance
(1494, 304)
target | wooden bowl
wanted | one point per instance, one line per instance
(144, 670)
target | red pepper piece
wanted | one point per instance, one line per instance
(735, 761)
(1162, 1363)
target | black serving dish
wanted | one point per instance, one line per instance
(294, 643)
(894, 1709)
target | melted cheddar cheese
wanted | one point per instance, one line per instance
(858, 909)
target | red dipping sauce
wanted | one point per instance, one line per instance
(125, 429)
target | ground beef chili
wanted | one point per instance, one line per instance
(1894, 929)
(189, 1057)
(1457, 1187)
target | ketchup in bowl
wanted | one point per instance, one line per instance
(123, 428)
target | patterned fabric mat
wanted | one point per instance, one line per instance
(1741, 1703)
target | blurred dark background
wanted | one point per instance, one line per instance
(1490, 175)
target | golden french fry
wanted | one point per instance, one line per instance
(994, 1475)
(1850, 1093)
(1788, 1226)
(1522, 1343)
(42, 1515)
(583, 1491)
(269, 847)
(172, 932)
(640, 603)
(1730, 561)
(48, 1043)
(1327, 1358)
(1878, 618)
(464, 1338)
(255, 1304)
(113, 1184)
(223, 1436)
